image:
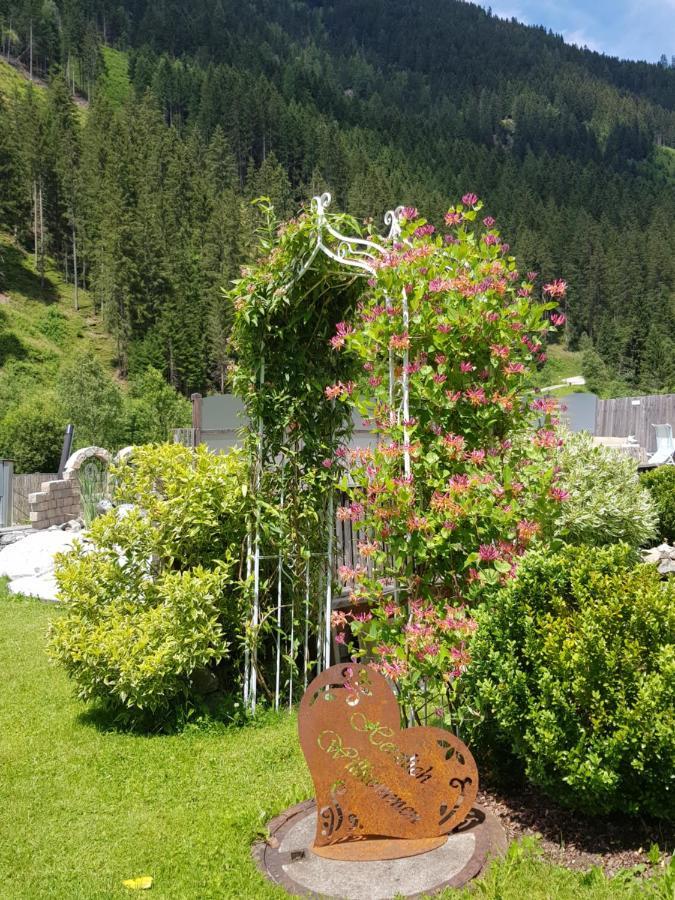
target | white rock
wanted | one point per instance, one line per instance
(42, 586)
(651, 556)
(34, 555)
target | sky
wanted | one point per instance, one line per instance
(630, 29)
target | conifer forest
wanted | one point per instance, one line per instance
(162, 120)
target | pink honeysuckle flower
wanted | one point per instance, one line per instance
(438, 285)
(488, 221)
(327, 463)
(340, 638)
(342, 331)
(363, 617)
(444, 328)
(453, 218)
(368, 548)
(505, 248)
(490, 239)
(470, 199)
(558, 494)
(466, 367)
(400, 341)
(558, 319)
(546, 438)
(424, 230)
(544, 405)
(532, 276)
(453, 396)
(488, 553)
(556, 288)
(440, 359)
(454, 442)
(410, 213)
(440, 379)
(514, 368)
(476, 396)
(458, 484)
(527, 530)
(500, 350)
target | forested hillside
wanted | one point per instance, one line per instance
(144, 200)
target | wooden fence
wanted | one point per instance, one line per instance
(635, 416)
(22, 486)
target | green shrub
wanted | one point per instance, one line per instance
(573, 677)
(153, 408)
(156, 599)
(661, 485)
(92, 402)
(607, 503)
(32, 435)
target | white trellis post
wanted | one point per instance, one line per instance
(255, 618)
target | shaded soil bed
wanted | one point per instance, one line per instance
(570, 839)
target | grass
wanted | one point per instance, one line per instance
(561, 364)
(11, 80)
(116, 83)
(86, 806)
(39, 326)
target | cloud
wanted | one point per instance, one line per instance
(581, 39)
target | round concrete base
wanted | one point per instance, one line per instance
(287, 859)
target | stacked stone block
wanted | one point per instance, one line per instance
(58, 502)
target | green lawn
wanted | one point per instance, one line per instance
(84, 806)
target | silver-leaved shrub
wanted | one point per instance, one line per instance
(606, 502)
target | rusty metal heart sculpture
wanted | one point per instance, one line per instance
(381, 791)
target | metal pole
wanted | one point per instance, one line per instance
(277, 687)
(329, 583)
(406, 390)
(247, 662)
(255, 622)
(67, 447)
(306, 620)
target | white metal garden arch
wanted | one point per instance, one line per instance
(362, 255)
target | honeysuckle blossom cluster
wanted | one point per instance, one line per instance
(462, 479)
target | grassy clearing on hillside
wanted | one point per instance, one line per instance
(116, 83)
(88, 806)
(561, 364)
(11, 80)
(39, 326)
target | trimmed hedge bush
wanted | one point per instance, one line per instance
(661, 485)
(573, 674)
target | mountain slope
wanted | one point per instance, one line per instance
(394, 101)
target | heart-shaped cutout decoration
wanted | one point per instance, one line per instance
(374, 780)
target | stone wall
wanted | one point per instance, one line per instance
(59, 501)
(56, 503)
